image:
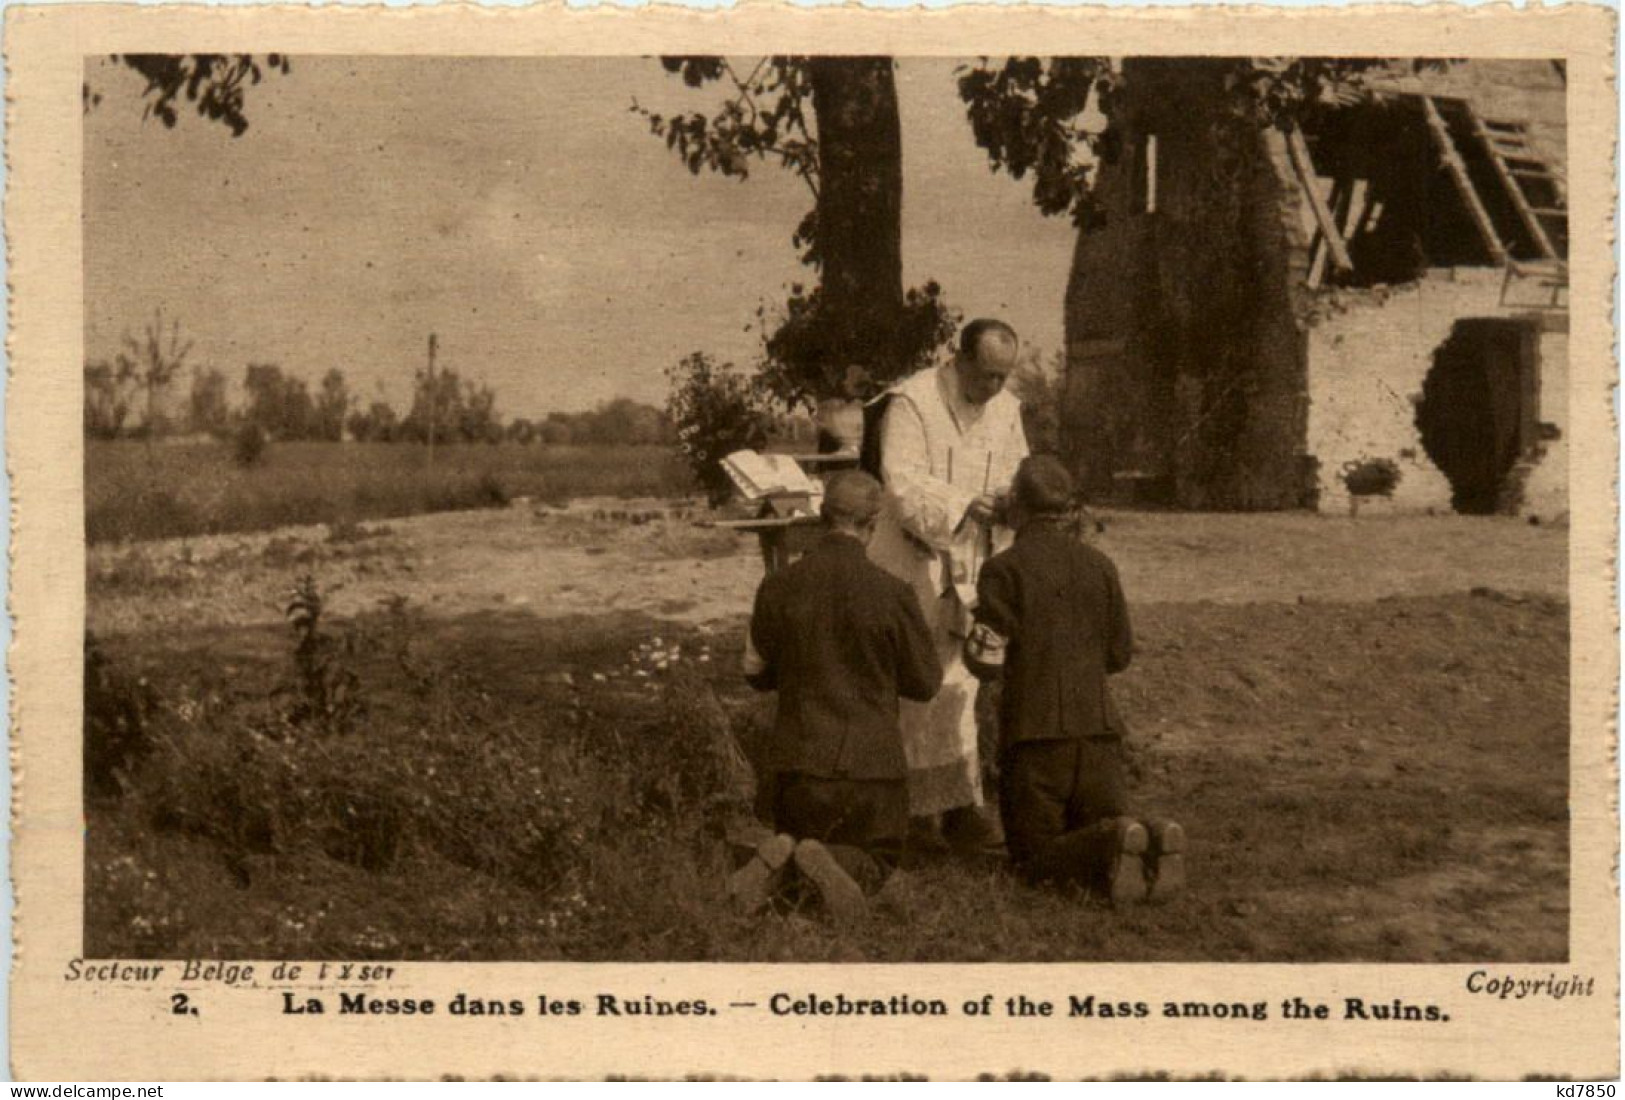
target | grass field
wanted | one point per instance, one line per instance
(1382, 777)
(169, 490)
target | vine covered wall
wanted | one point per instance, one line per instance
(1187, 378)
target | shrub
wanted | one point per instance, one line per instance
(325, 692)
(489, 491)
(716, 410)
(117, 710)
(499, 802)
(248, 446)
(1371, 476)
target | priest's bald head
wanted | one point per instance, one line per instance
(986, 359)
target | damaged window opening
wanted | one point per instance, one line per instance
(1480, 411)
(1385, 169)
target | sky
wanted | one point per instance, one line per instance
(515, 207)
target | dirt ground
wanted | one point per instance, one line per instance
(1363, 722)
(651, 557)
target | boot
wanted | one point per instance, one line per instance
(841, 894)
(925, 838)
(1125, 874)
(1167, 863)
(895, 897)
(753, 886)
(972, 831)
(744, 835)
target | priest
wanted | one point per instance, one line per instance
(950, 441)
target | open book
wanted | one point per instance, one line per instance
(758, 475)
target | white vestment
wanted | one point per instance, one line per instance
(938, 453)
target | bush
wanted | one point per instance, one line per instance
(117, 710)
(462, 785)
(325, 692)
(490, 491)
(248, 447)
(1371, 476)
(716, 410)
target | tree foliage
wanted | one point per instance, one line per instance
(765, 119)
(452, 408)
(153, 361)
(278, 404)
(110, 392)
(213, 83)
(1052, 118)
(332, 406)
(377, 423)
(522, 430)
(802, 360)
(208, 411)
(1029, 114)
(620, 422)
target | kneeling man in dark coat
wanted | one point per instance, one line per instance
(840, 640)
(1052, 621)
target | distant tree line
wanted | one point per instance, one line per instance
(135, 395)
(619, 421)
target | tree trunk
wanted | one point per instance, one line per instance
(860, 210)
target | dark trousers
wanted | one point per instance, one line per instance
(1059, 800)
(861, 821)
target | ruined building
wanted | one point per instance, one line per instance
(1372, 306)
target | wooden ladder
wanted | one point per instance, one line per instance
(1457, 168)
(1515, 161)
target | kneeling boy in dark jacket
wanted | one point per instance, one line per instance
(1051, 619)
(841, 640)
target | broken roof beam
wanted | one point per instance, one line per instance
(1304, 166)
(1464, 183)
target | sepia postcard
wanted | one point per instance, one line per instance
(781, 543)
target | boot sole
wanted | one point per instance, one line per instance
(1170, 877)
(753, 886)
(1128, 865)
(842, 897)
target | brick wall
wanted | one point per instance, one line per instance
(1369, 353)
